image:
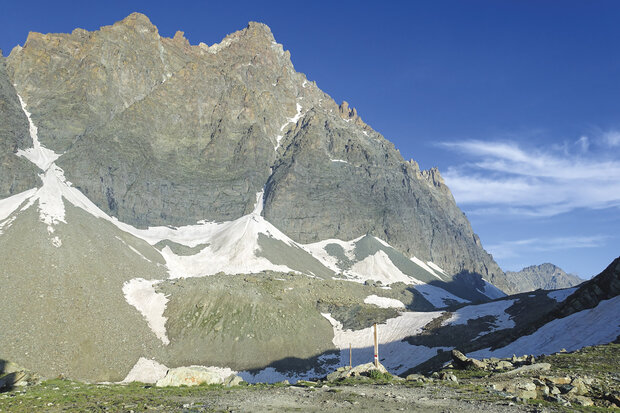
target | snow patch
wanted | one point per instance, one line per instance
(317, 250)
(292, 120)
(598, 325)
(141, 294)
(394, 353)
(338, 160)
(496, 309)
(394, 329)
(10, 205)
(379, 267)
(383, 302)
(435, 267)
(561, 295)
(425, 267)
(38, 155)
(491, 291)
(438, 297)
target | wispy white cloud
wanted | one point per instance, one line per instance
(517, 248)
(503, 177)
(612, 138)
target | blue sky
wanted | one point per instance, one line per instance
(516, 102)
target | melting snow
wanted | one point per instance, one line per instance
(38, 155)
(384, 302)
(438, 297)
(141, 294)
(491, 291)
(317, 250)
(561, 295)
(292, 120)
(396, 355)
(146, 371)
(394, 329)
(10, 204)
(598, 325)
(426, 267)
(496, 309)
(379, 267)
(435, 267)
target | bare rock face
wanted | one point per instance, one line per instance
(156, 131)
(16, 174)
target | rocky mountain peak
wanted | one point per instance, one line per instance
(138, 22)
(546, 276)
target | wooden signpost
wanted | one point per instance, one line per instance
(376, 348)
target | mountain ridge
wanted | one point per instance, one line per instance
(546, 276)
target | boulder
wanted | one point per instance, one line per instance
(460, 361)
(232, 380)
(191, 376)
(503, 365)
(528, 369)
(13, 375)
(582, 400)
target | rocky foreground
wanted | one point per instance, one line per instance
(585, 380)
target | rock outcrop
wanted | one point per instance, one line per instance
(16, 174)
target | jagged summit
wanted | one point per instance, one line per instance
(546, 276)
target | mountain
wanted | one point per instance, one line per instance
(209, 205)
(545, 276)
(156, 131)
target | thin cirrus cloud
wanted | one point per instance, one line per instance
(502, 177)
(511, 249)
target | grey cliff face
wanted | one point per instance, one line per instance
(16, 174)
(156, 131)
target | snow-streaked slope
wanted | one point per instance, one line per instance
(561, 295)
(141, 294)
(598, 325)
(38, 155)
(230, 247)
(378, 267)
(426, 266)
(383, 302)
(438, 297)
(394, 353)
(491, 291)
(496, 309)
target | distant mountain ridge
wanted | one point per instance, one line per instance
(544, 276)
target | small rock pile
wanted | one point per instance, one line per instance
(519, 377)
(357, 371)
(197, 375)
(515, 364)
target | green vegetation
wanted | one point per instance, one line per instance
(65, 395)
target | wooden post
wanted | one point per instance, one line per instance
(350, 357)
(376, 348)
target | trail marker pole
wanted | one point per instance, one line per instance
(350, 357)
(376, 348)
